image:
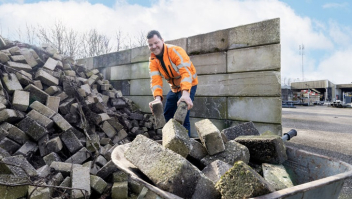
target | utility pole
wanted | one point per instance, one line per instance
(301, 52)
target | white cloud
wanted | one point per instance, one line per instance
(335, 5)
(184, 18)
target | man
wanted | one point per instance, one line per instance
(173, 63)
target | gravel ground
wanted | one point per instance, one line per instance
(322, 130)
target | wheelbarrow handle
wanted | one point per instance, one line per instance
(287, 136)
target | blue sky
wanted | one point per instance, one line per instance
(324, 27)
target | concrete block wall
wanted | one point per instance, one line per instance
(238, 71)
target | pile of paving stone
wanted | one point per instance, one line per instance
(58, 126)
(237, 162)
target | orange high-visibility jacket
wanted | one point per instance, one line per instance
(182, 71)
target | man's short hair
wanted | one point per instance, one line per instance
(152, 33)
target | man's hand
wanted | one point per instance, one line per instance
(157, 99)
(185, 97)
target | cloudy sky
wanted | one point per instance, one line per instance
(323, 27)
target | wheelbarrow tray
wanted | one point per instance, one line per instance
(315, 176)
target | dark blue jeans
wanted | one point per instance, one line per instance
(171, 107)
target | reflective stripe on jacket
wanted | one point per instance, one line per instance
(182, 71)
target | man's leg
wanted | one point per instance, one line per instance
(187, 123)
(170, 105)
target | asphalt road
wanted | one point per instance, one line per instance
(322, 130)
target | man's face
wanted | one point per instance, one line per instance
(155, 45)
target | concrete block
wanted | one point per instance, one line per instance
(67, 182)
(27, 148)
(13, 191)
(120, 136)
(3, 153)
(174, 173)
(108, 129)
(36, 94)
(14, 50)
(260, 33)
(20, 166)
(181, 112)
(252, 84)
(118, 103)
(101, 118)
(210, 136)
(142, 87)
(254, 59)
(20, 100)
(97, 184)
(32, 128)
(42, 109)
(71, 141)
(51, 157)
(65, 106)
(277, 176)
(101, 161)
(108, 169)
(56, 179)
(216, 169)
(112, 59)
(182, 42)
(2, 106)
(62, 96)
(175, 138)
(18, 59)
(3, 58)
(11, 83)
(53, 103)
(39, 192)
(93, 79)
(61, 122)
(140, 54)
(209, 107)
(38, 84)
(247, 128)
(92, 72)
(246, 109)
(46, 78)
(122, 85)
(8, 115)
(29, 57)
(63, 167)
(209, 42)
(119, 190)
(50, 64)
(86, 88)
(40, 118)
(235, 183)
(210, 63)
(140, 70)
(43, 171)
(15, 66)
(220, 124)
(54, 145)
(71, 73)
(42, 145)
(9, 145)
(51, 90)
(3, 133)
(80, 179)
(14, 133)
(158, 112)
(24, 78)
(113, 121)
(197, 150)
(233, 152)
(120, 176)
(122, 72)
(79, 157)
(275, 150)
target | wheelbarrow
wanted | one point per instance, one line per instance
(315, 176)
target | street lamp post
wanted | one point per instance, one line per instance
(308, 93)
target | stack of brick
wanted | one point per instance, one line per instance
(60, 122)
